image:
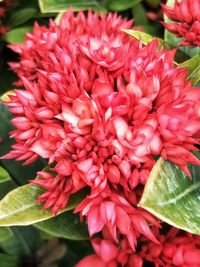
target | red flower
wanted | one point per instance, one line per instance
(117, 215)
(186, 17)
(106, 51)
(100, 106)
(111, 254)
(92, 260)
(176, 249)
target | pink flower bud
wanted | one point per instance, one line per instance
(22, 123)
(44, 113)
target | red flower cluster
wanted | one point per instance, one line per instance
(177, 248)
(186, 17)
(100, 106)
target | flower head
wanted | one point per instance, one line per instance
(99, 113)
(100, 107)
(186, 21)
(117, 215)
(175, 249)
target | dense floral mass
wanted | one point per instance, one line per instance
(175, 249)
(101, 107)
(186, 21)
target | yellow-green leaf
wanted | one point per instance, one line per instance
(5, 97)
(59, 17)
(4, 176)
(19, 206)
(56, 6)
(173, 197)
(193, 66)
(147, 38)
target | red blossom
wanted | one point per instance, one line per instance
(111, 254)
(177, 248)
(185, 16)
(116, 214)
(100, 107)
(92, 260)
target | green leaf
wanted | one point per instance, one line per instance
(19, 206)
(17, 35)
(56, 6)
(65, 225)
(141, 20)
(193, 66)
(140, 15)
(4, 176)
(173, 40)
(147, 38)
(59, 17)
(118, 5)
(7, 77)
(23, 242)
(6, 187)
(8, 261)
(28, 239)
(5, 125)
(173, 197)
(153, 2)
(22, 15)
(5, 234)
